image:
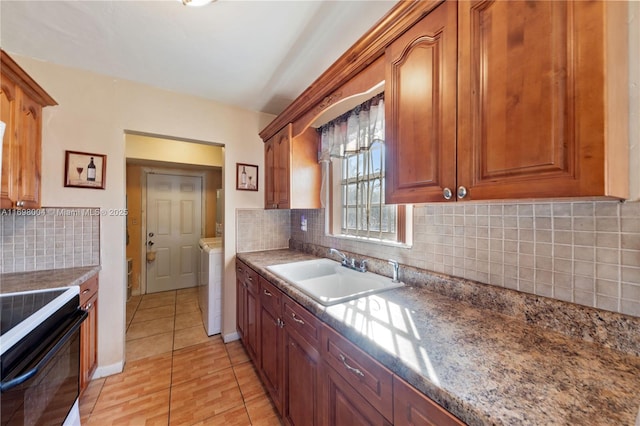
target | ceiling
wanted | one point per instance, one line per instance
(257, 55)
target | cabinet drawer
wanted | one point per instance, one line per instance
(241, 271)
(251, 280)
(302, 321)
(88, 289)
(373, 381)
(270, 297)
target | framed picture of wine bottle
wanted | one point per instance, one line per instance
(84, 170)
(246, 177)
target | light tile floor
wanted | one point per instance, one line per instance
(175, 374)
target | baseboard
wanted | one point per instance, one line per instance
(230, 337)
(108, 370)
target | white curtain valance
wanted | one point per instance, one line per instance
(353, 131)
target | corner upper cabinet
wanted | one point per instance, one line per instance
(542, 99)
(21, 103)
(420, 109)
(292, 172)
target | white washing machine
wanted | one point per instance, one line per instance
(210, 291)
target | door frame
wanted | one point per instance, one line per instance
(143, 211)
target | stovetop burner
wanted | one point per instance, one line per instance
(18, 307)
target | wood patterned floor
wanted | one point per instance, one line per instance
(175, 374)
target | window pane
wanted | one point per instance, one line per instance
(351, 218)
(351, 194)
(375, 191)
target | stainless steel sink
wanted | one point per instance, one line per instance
(327, 282)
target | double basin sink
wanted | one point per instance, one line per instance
(328, 282)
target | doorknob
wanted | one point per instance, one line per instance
(150, 243)
(151, 234)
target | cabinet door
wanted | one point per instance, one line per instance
(420, 109)
(410, 407)
(531, 104)
(29, 149)
(8, 107)
(252, 306)
(302, 361)
(269, 174)
(89, 342)
(345, 406)
(283, 167)
(241, 297)
(271, 340)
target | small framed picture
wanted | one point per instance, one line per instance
(84, 170)
(246, 177)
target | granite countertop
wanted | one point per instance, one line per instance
(40, 280)
(484, 367)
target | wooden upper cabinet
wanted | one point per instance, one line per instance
(542, 99)
(21, 103)
(292, 172)
(420, 109)
(542, 102)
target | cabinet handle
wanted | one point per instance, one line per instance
(447, 194)
(250, 279)
(296, 319)
(19, 203)
(280, 323)
(267, 293)
(354, 370)
(240, 270)
(86, 290)
(462, 192)
(88, 306)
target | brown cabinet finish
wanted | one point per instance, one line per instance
(541, 108)
(420, 109)
(21, 103)
(302, 376)
(535, 105)
(344, 405)
(413, 408)
(292, 172)
(247, 304)
(89, 331)
(271, 342)
(368, 377)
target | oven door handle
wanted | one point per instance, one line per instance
(5, 386)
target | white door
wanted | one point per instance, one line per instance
(174, 221)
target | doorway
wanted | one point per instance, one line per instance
(174, 226)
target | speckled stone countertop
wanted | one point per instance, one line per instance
(39, 280)
(483, 366)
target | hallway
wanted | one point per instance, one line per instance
(175, 374)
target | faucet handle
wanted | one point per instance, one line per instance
(363, 265)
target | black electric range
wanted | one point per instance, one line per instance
(40, 356)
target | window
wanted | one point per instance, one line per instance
(353, 150)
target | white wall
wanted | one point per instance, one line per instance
(92, 114)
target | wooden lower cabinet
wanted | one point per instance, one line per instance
(302, 380)
(271, 342)
(314, 375)
(89, 331)
(344, 405)
(414, 408)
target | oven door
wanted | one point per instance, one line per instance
(42, 388)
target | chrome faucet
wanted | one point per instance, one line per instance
(396, 266)
(345, 259)
(350, 262)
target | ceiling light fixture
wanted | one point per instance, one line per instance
(196, 3)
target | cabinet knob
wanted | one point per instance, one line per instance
(462, 192)
(447, 194)
(19, 203)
